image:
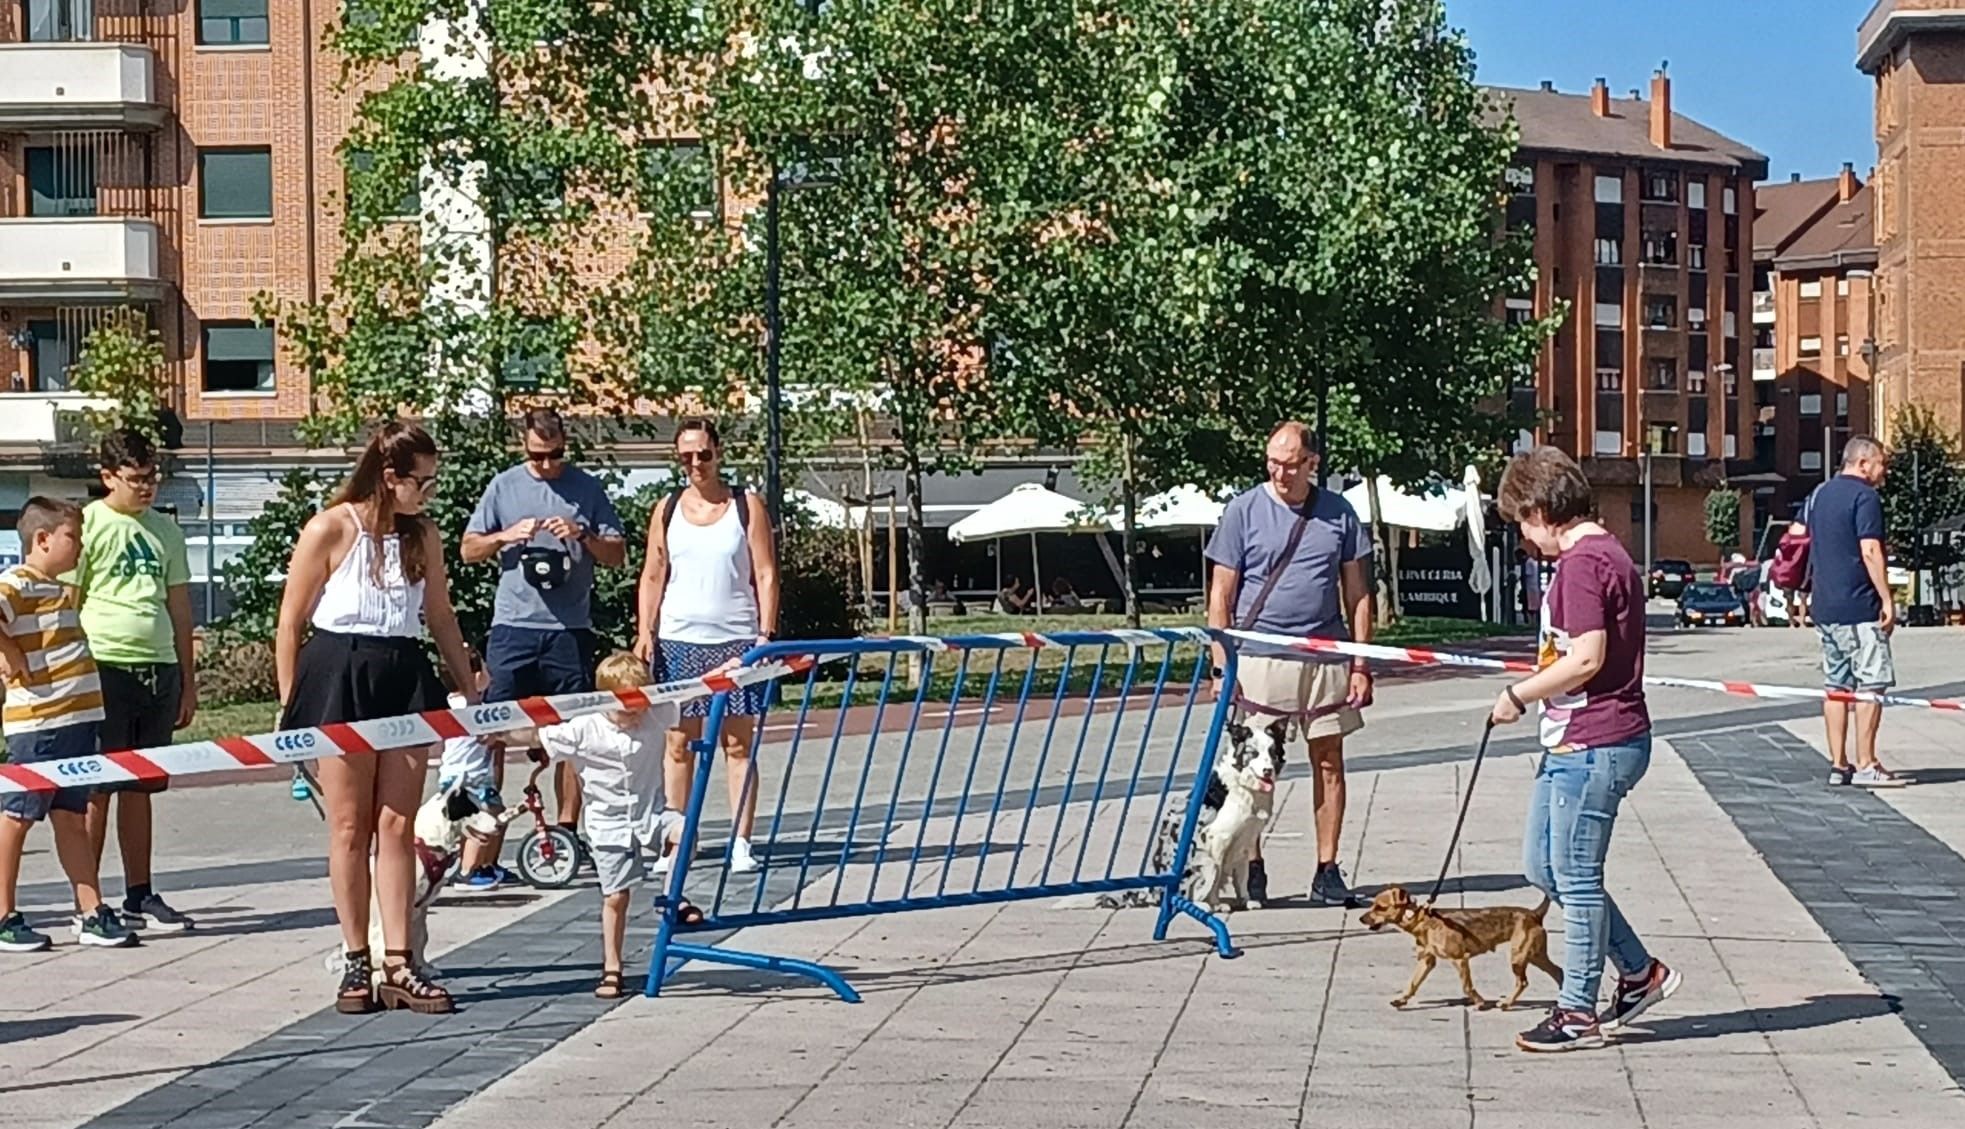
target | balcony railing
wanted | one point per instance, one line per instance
(78, 86)
(78, 259)
(1763, 307)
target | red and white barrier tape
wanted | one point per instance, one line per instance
(1420, 656)
(229, 754)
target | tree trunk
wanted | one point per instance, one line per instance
(1382, 599)
(1129, 518)
(864, 534)
(917, 582)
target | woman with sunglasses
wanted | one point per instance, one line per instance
(709, 593)
(368, 574)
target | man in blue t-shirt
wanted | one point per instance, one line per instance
(1853, 608)
(546, 523)
(1293, 559)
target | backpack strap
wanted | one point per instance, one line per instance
(670, 503)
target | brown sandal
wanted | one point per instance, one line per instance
(356, 996)
(610, 984)
(404, 987)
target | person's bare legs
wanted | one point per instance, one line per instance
(77, 858)
(398, 792)
(1836, 716)
(133, 831)
(1327, 794)
(348, 787)
(613, 929)
(13, 841)
(1869, 717)
(679, 770)
(737, 765)
(566, 785)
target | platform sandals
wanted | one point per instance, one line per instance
(404, 987)
(356, 995)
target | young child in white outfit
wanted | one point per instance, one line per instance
(619, 755)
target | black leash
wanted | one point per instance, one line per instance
(1466, 801)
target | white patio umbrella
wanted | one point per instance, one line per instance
(1481, 577)
(826, 512)
(1438, 511)
(1183, 507)
(1028, 510)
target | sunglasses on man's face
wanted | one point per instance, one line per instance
(552, 456)
(696, 456)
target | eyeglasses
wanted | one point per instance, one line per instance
(696, 456)
(424, 482)
(1290, 464)
(140, 481)
(552, 456)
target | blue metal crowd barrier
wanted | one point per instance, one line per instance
(1080, 772)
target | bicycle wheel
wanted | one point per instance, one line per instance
(548, 859)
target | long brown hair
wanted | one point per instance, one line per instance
(394, 446)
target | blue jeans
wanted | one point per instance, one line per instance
(1563, 848)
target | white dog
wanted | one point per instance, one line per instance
(1247, 775)
(442, 824)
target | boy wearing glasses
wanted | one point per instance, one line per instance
(547, 523)
(136, 611)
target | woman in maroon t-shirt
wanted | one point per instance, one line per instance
(1597, 736)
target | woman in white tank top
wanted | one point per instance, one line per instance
(709, 593)
(368, 575)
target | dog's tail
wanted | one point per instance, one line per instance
(1542, 910)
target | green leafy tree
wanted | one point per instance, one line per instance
(1925, 486)
(122, 363)
(1723, 519)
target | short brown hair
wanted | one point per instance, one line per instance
(1546, 483)
(545, 423)
(42, 514)
(621, 671)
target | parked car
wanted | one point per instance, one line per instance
(1710, 605)
(1669, 578)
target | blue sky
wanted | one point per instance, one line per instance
(1779, 75)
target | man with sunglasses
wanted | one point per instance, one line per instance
(135, 580)
(548, 523)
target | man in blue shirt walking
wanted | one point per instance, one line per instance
(1853, 607)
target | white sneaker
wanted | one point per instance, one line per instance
(741, 861)
(661, 867)
(1876, 776)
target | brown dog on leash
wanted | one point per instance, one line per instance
(1459, 935)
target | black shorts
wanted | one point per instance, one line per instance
(341, 678)
(528, 662)
(139, 705)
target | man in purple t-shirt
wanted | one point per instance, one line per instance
(1292, 559)
(1596, 734)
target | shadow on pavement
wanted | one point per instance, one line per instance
(22, 1030)
(1816, 1011)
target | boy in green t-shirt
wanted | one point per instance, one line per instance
(136, 610)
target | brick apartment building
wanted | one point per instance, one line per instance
(167, 158)
(1643, 224)
(1915, 50)
(1814, 263)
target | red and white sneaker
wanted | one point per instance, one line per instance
(1636, 995)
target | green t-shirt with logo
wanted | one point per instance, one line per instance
(129, 564)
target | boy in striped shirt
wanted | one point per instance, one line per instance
(53, 710)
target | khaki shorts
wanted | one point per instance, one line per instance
(1296, 689)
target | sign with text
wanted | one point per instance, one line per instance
(1434, 581)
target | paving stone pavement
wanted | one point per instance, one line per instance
(1817, 932)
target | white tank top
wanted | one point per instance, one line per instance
(352, 603)
(710, 597)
